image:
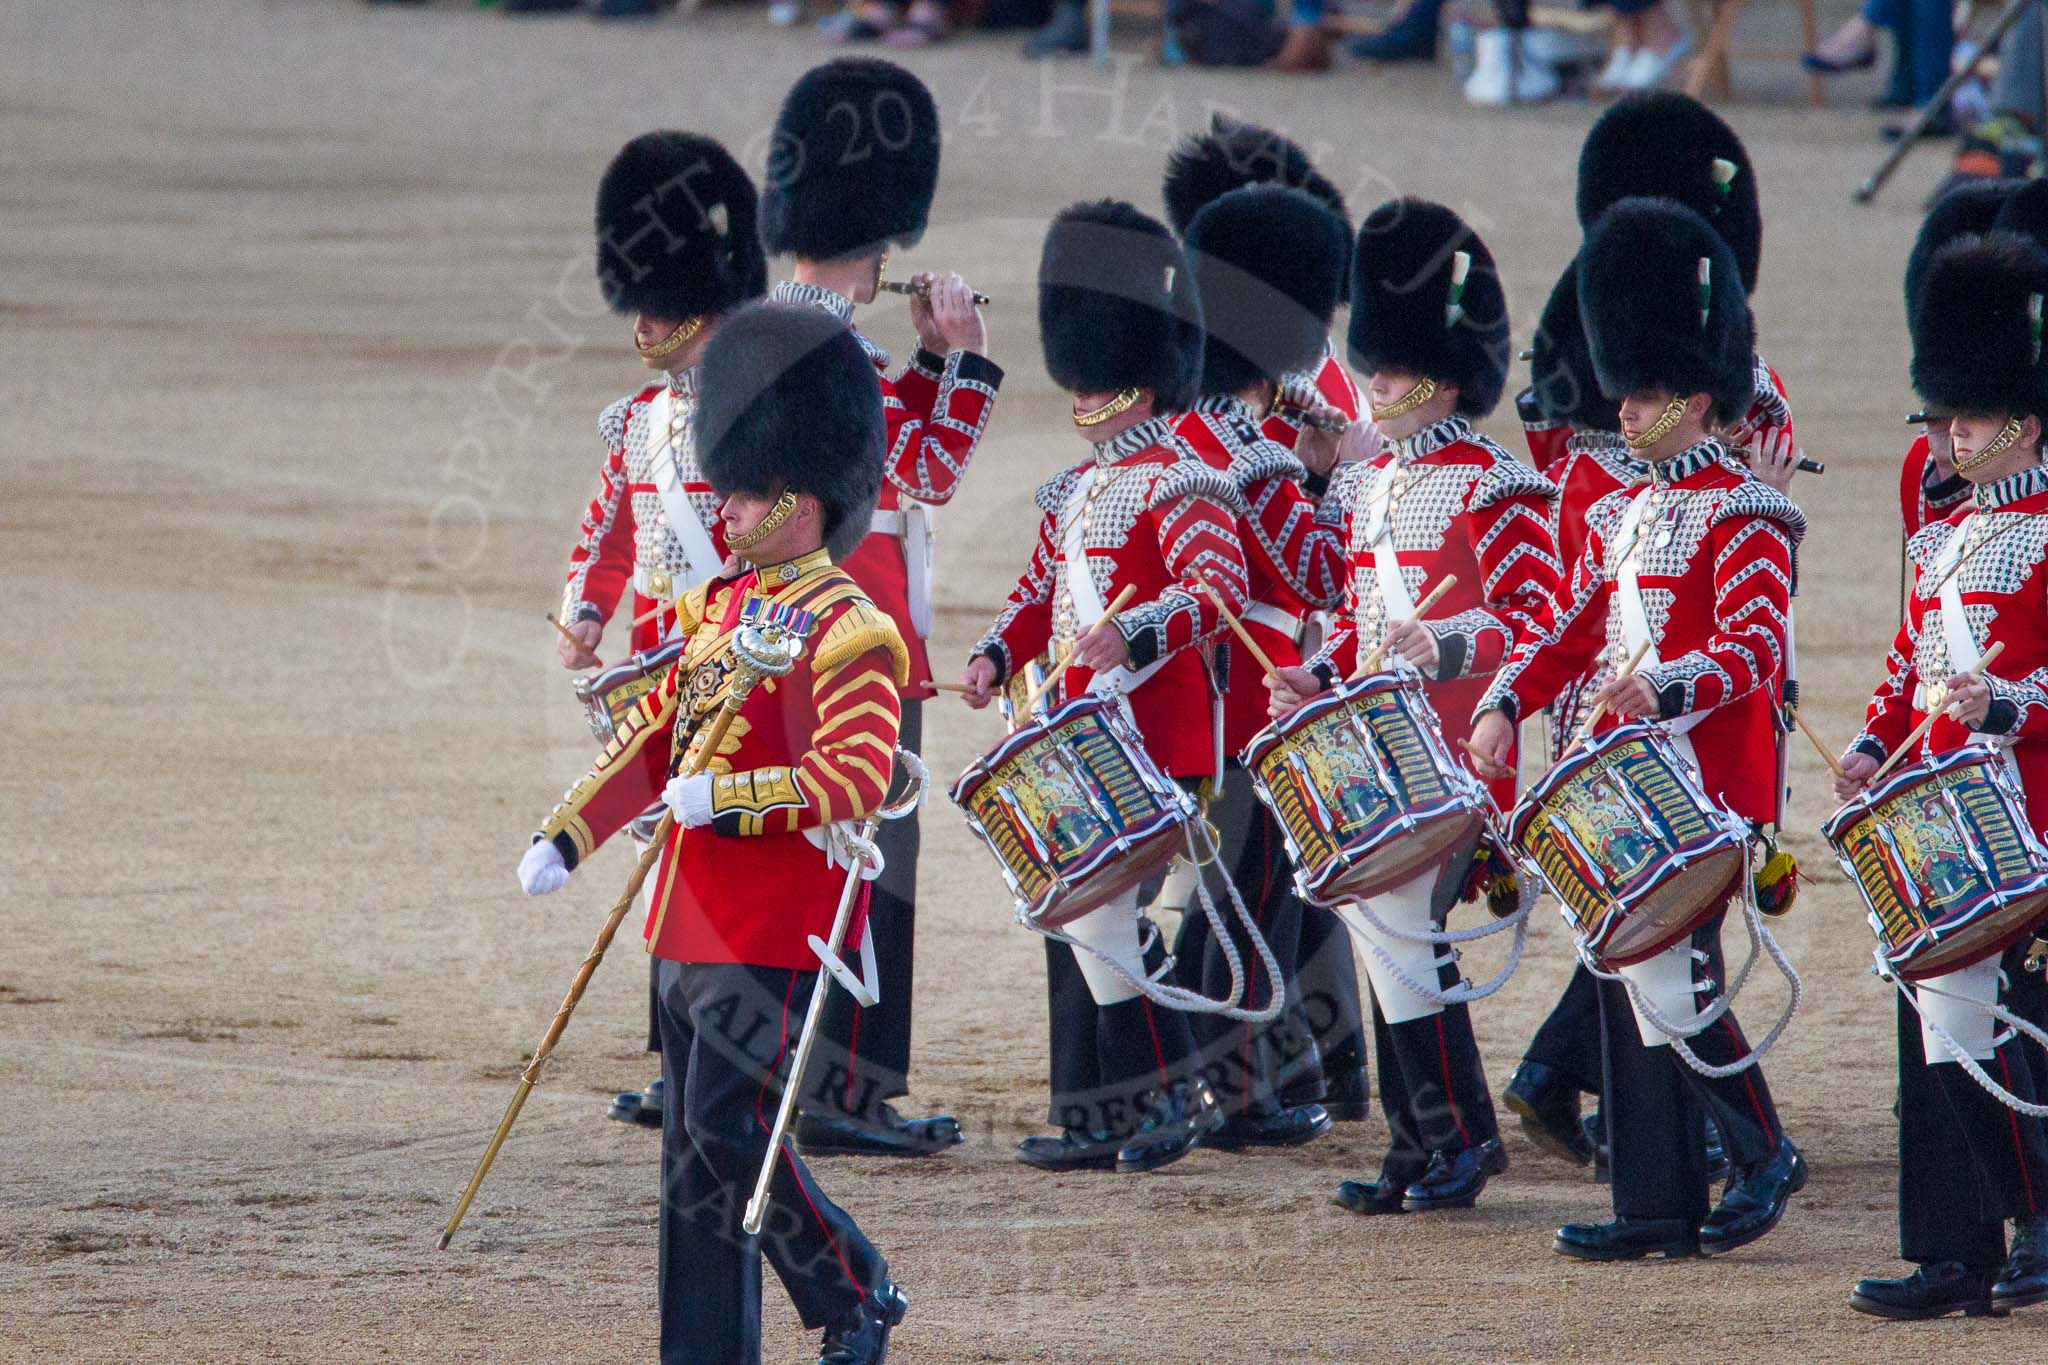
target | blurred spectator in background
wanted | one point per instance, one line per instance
(1647, 47)
(1923, 40)
(2008, 143)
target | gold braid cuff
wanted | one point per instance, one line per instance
(675, 340)
(1996, 447)
(784, 508)
(1113, 408)
(1674, 413)
(1424, 390)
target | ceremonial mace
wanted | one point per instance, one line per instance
(760, 650)
(834, 945)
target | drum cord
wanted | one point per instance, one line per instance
(1959, 1052)
(1194, 1002)
(1465, 992)
(1760, 941)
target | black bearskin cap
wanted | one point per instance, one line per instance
(1400, 294)
(675, 229)
(1977, 336)
(1269, 268)
(1561, 365)
(1639, 299)
(1971, 206)
(1231, 155)
(1664, 144)
(788, 398)
(1117, 307)
(854, 162)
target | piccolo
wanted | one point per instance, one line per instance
(922, 291)
(1322, 419)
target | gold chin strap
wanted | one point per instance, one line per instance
(1997, 446)
(1674, 413)
(881, 270)
(675, 340)
(1424, 390)
(783, 510)
(1113, 408)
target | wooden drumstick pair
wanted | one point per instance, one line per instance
(1372, 660)
(1934, 712)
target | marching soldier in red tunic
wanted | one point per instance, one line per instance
(852, 171)
(1670, 146)
(1429, 329)
(1967, 1163)
(1699, 568)
(676, 248)
(1269, 267)
(1323, 1003)
(789, 431)
(1121, 326)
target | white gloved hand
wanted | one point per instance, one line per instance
(542, 869)
(690, 799)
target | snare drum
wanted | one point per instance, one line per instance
(1364, 789)
(1946, 860)
(1630, 843)
(609, 696)
(1074, 810)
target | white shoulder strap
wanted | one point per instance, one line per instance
(683, 522)
(1635, 613)
(1963, 654)
(1379, 523)
(1089, 608)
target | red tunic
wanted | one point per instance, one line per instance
(1716, 575)
(1293, 551)
(1145, 512)
(1459, 504)
(936, 410)
(806, 750)
(2005, 598)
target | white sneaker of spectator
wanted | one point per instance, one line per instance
(1651, 69)
(1620, 62)
(1494, 60)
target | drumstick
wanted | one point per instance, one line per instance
(1372, 660)
(1258, 655)
(1920, 730)
(1827, 755)
(933, 685)
(1600, 711)
(644, 617)
(573, 640)
(1038, 692)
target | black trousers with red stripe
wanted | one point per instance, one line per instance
(1108, 1061)
(1432, 1082)
(1967, 1162)
(1324, 1001)
(863, 1054)
(726, 1035)
(1246, 1064)
(1655, 1102)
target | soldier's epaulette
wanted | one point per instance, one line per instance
(1925, 545)
(611, 423)
(1188, 475)
(1507, 477)
(1264, 459)
(1755, 498)
(859, 627)
(1052, 495)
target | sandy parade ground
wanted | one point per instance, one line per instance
(300, 356)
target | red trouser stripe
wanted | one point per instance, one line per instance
(2019, 1150)
(1158, 1048)
(1443, 1053)
(1756, 1102)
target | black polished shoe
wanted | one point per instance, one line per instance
(863, 1338)
(1275, 1127)
(1548, 1106)
(2024, 1281)
(1174, 1126)
(1933, 1291)
(885, 1133)
(1454, 1179)
(1754, 1204)
(1075, 1149)
(642, 1107)
(1627, 1239)
(1371, 1196)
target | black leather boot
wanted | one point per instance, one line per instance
(1175, 1125)
(863, 1338)
(1271, 1126)
(1454, 1179)
(1075, 1149)
(1384, 1195)
(2024, 1281)
(882, 1133)
(1548, 1106)
(1754, 1204)
(1933, 1291)
(642, 1107)
(1627, 1239)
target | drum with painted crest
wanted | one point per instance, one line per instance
(1365, 791)
(1947, 861)
(1074, 810)
(1630, 843)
